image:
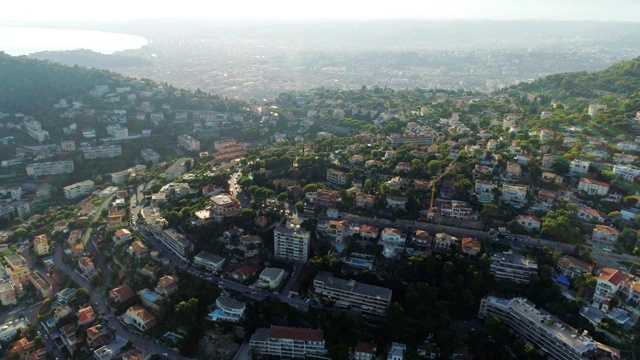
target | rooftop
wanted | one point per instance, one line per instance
(284, 332)
(612, 275)
(516, 259)
(352, 286)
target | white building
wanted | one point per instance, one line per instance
(393, 241)
(227, 309)
(515, 195)
(50, 168)
(288, 342)
(593, 187)
(349, 293)
(484, 191)
(34, 129)
(610, 281)
(605, 235)
(336, 176)
(102, 152)
(627, 172)
(150, 155)
(291, 241)
(512, 267)
(594, 109)
(579, 167)
(78, 189)
(188, 142)
(271, 278)
(210, 262)
(529, 222)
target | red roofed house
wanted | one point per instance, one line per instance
(368, 231)
(592, 215)
(604, 235)
(86, 316)
(529, 222)
(121, 294)
(365, 201)
(167, 285)
(422, 239)
(121, 236)
(86, 266)
(139, 317)
(364, 351)
(471, 246)
(406, 166)
(74, 236)
(98, 335)
(245, 272)
(593, 187)
(573, 268)
(211, 190)
(610, 281)
(288, 341)
(22, 348)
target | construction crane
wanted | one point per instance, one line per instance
(432, 209)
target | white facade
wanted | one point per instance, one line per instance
(102, 152)
(227, 309)
(291, 242)
(593, 187)
(393, 242)
(34, 129)
(579, 167)
(484, 191)
(50, 168)
(514, 194)
(188, 142)
(628, 172)
(78, 189)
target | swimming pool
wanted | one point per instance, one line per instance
(150, 296)
(359, 262)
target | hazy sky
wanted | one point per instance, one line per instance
(62, 10)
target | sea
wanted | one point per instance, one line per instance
(18, 41)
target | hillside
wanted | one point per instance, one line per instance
(33, 86)
(620, 79)
(88, 58)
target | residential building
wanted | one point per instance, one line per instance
(140, 318)
(11, 328)
(43, 287)
(17, 268)
(513, 169)
(177, 243)
(208, 261)
(138, 249)
(396, 351)
(86, 316)
(121, 236)
(397, 202)
(484, 191)
(392, 241)
(610, 281)
(82, 188)
(50, 168)
(548, 176)
(573, 268)
(68, 145)
(471, 246)
(458, 210)
(604, 235)
(98, 336)
(349, 293)
(227, 309)
(336, 176)
(288, 342)
(365, 201)
(627, 172)
(444, 241)
(594, 109)
(245, 272)
(515, 195)
(7, 294)
(150, 155)
(578, 167)
(189, 143)
(395, 183)
(540, 328)
(223, 206)
(529, 222)
(339, 230)
(34, 129)
(121, 294)
(326, 198)
(178, 168)
(364, 351)
(66, 295)
(41, 245)
(291, 241)
(422, 239)
(167, 285)
(425, 138)
(512, 267)
(368, 231)
(593, 187)
(86, 266)
(102, 152)
(271, 278)
(120, 176)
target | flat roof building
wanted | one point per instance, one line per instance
(349, 293)
(288, 342)
(291, 241)
(512, 267)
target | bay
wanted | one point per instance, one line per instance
(18, 41)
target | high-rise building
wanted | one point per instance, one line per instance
(291, 241)
(349, 293)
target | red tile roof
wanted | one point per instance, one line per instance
(613, 276)
(365, 347)
(471, 242)
(284, 332)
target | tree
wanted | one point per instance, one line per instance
(462, 188)
(247, 214)
(488, 213)
(299, 206)
(310, 188)
(434, 166)
(186, 313)
(560, 165)
(20, 234)
(282, 196)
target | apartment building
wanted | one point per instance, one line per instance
(178, 168)
(42, 286)
(425, 138)
(34, 129)
(288, 342)
(68, 145)
(336, 176)
(7, 294)
(540, 328)
(17, 268)
(223, 206)
(349, 293)
(604, 235)
(41, 245)
(627, 172)
(150, 155)
(573, 268)
(593, 187)
(484, 191)
(82, 188)
(188, 142)
(291, 241)
(579, 167)
(515, 195)
(512, 267)
(177, 243)
(208, 261)
(102, 152)
(50, 168)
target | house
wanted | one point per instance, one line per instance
(529, 222)
(271, 278)
(428, 350)
(22, 348)
(610, 281)
(208, 261)
(621, 158)
(336, 176)
(140, 318)
(338, 229)
(74, 236)
(471, 246)
(7, 294)
(395, 183)
(547, 161)
(364, 351)
(41, 245)
(444, 241)
(396, 351)
(121, 294)
(547, 197)
(422, 239)
(484, 190)
(548, 176)
(85, 264)
(326, 198)
(245, 272)
(138, 249)
(404, 166)
(627, 172)
(578, 167)
(393, 241)
(573, 268)
(66, 295)
(365, 201)
(592, 215)
(86, 316)
(516, 195)
(211, 190)
(368, 231)
(513, 169)
(121, 236)
(458, 210)
(98, 335)
(396, 202)
(604, 235)
(167, 285)
(592, 187)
